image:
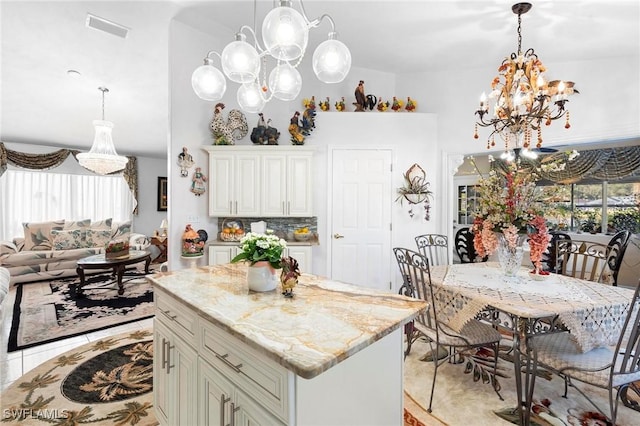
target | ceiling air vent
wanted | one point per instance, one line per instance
(102, 24)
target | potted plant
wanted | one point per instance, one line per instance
(263, 252)
(416, 188)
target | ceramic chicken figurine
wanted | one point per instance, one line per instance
(340, 106)
(226, 132)
(325, 106)
(309, 103)
(411, 104)
(396, 105)
(382, 105)
(289, 275)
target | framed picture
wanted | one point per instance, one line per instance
(162, 194)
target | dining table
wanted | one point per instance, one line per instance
(525, 305)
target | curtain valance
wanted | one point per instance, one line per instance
(56, 158)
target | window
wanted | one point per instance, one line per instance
(27, 196)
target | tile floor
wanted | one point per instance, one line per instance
(15, 364)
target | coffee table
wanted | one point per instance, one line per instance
(99, 261)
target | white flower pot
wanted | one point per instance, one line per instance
(261, 277)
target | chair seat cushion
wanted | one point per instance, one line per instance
(473, 333)
(559, 352)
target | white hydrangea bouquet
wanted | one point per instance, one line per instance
(261, 247)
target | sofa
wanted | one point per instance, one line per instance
(50, 250)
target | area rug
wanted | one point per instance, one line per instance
(462, 397)
(107, 382)
(48, 311)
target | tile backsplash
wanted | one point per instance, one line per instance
(282, 226)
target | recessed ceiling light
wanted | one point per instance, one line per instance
(107, 26)
(73, 73)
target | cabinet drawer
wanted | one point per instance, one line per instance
(179, 318)
(259, 377)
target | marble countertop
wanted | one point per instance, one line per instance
(324, 323)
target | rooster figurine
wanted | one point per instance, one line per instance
(235, 127)
(325, 106)
(289, 275)
(411, 104)
(340, 106)
(396, 105)
(382, 105)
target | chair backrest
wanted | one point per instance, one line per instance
(416, 278)
(629, 342)
(549, 256)
(617, 245)
(581, 259)
(464, 247)
(434, 247)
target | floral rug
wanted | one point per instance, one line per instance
(109, 381)
(48, 311)
(463, 395)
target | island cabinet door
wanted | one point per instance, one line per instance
(221, 403)
(221, 254)
(175, 378)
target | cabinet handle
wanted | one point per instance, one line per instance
(288, 207)
(230, 207)
(223, 402)
(236, 207)
(283, 209)
(168, 314)
(169, 366)
(233, 413)
(164, 352)
(224, 359)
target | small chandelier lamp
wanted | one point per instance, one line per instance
(285, 34)
(102, 158)
(522, 99)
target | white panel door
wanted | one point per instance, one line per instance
(361, 201)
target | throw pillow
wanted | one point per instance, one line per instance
(37, 235)
(68, 239)
(77, 224)
(97, 237)
(102, 224)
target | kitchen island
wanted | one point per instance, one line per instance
(331, 355)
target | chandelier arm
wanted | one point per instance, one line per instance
(261, 50)
(208, 60)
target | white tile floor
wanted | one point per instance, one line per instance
(15, 364)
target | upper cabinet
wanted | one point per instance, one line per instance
(270, 181)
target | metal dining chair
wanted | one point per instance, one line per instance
(617, 369)
(434, 247)
(617, 247)
(549, 256)
(416, 277)
(464, 247)
(585, 260)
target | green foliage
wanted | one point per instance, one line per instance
(261, 247)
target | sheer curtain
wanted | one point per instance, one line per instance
(27, 196)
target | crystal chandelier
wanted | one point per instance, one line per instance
(522, 100)
(285, 33)
(102, 158)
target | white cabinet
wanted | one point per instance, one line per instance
(286, 184)
(221, 254)
(233, 179)
(272, 181)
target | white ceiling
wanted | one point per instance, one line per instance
(41, 104)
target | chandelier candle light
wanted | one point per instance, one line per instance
(102, 158)
(285, 33)
(522, 99)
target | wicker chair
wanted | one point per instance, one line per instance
(603, 367)
(434, 247)
(617, 246)
(585, 260)
(416, 277)
(464, 247)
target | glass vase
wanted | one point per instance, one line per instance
(510, 256)
(261, 277)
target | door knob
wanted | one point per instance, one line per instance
(338, 236)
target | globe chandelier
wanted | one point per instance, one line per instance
(521, 100)
(102, 158)
(285, 34)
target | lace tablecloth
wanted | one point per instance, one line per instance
(593, 312)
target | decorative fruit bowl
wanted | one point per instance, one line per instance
(302, 234)
(540, 276)
(232, 231)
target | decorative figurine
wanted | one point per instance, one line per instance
(299, 132)
(297, 138)
(289, 275)
(185, 161)
(325, 106)
(411, 104)
(360, 102)
(396, 105)
(340, 105)
(192, 245)
(382, 105)
(263, 133)
(309, 103)
(370, 102)
(197, 182)
(235, 127)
